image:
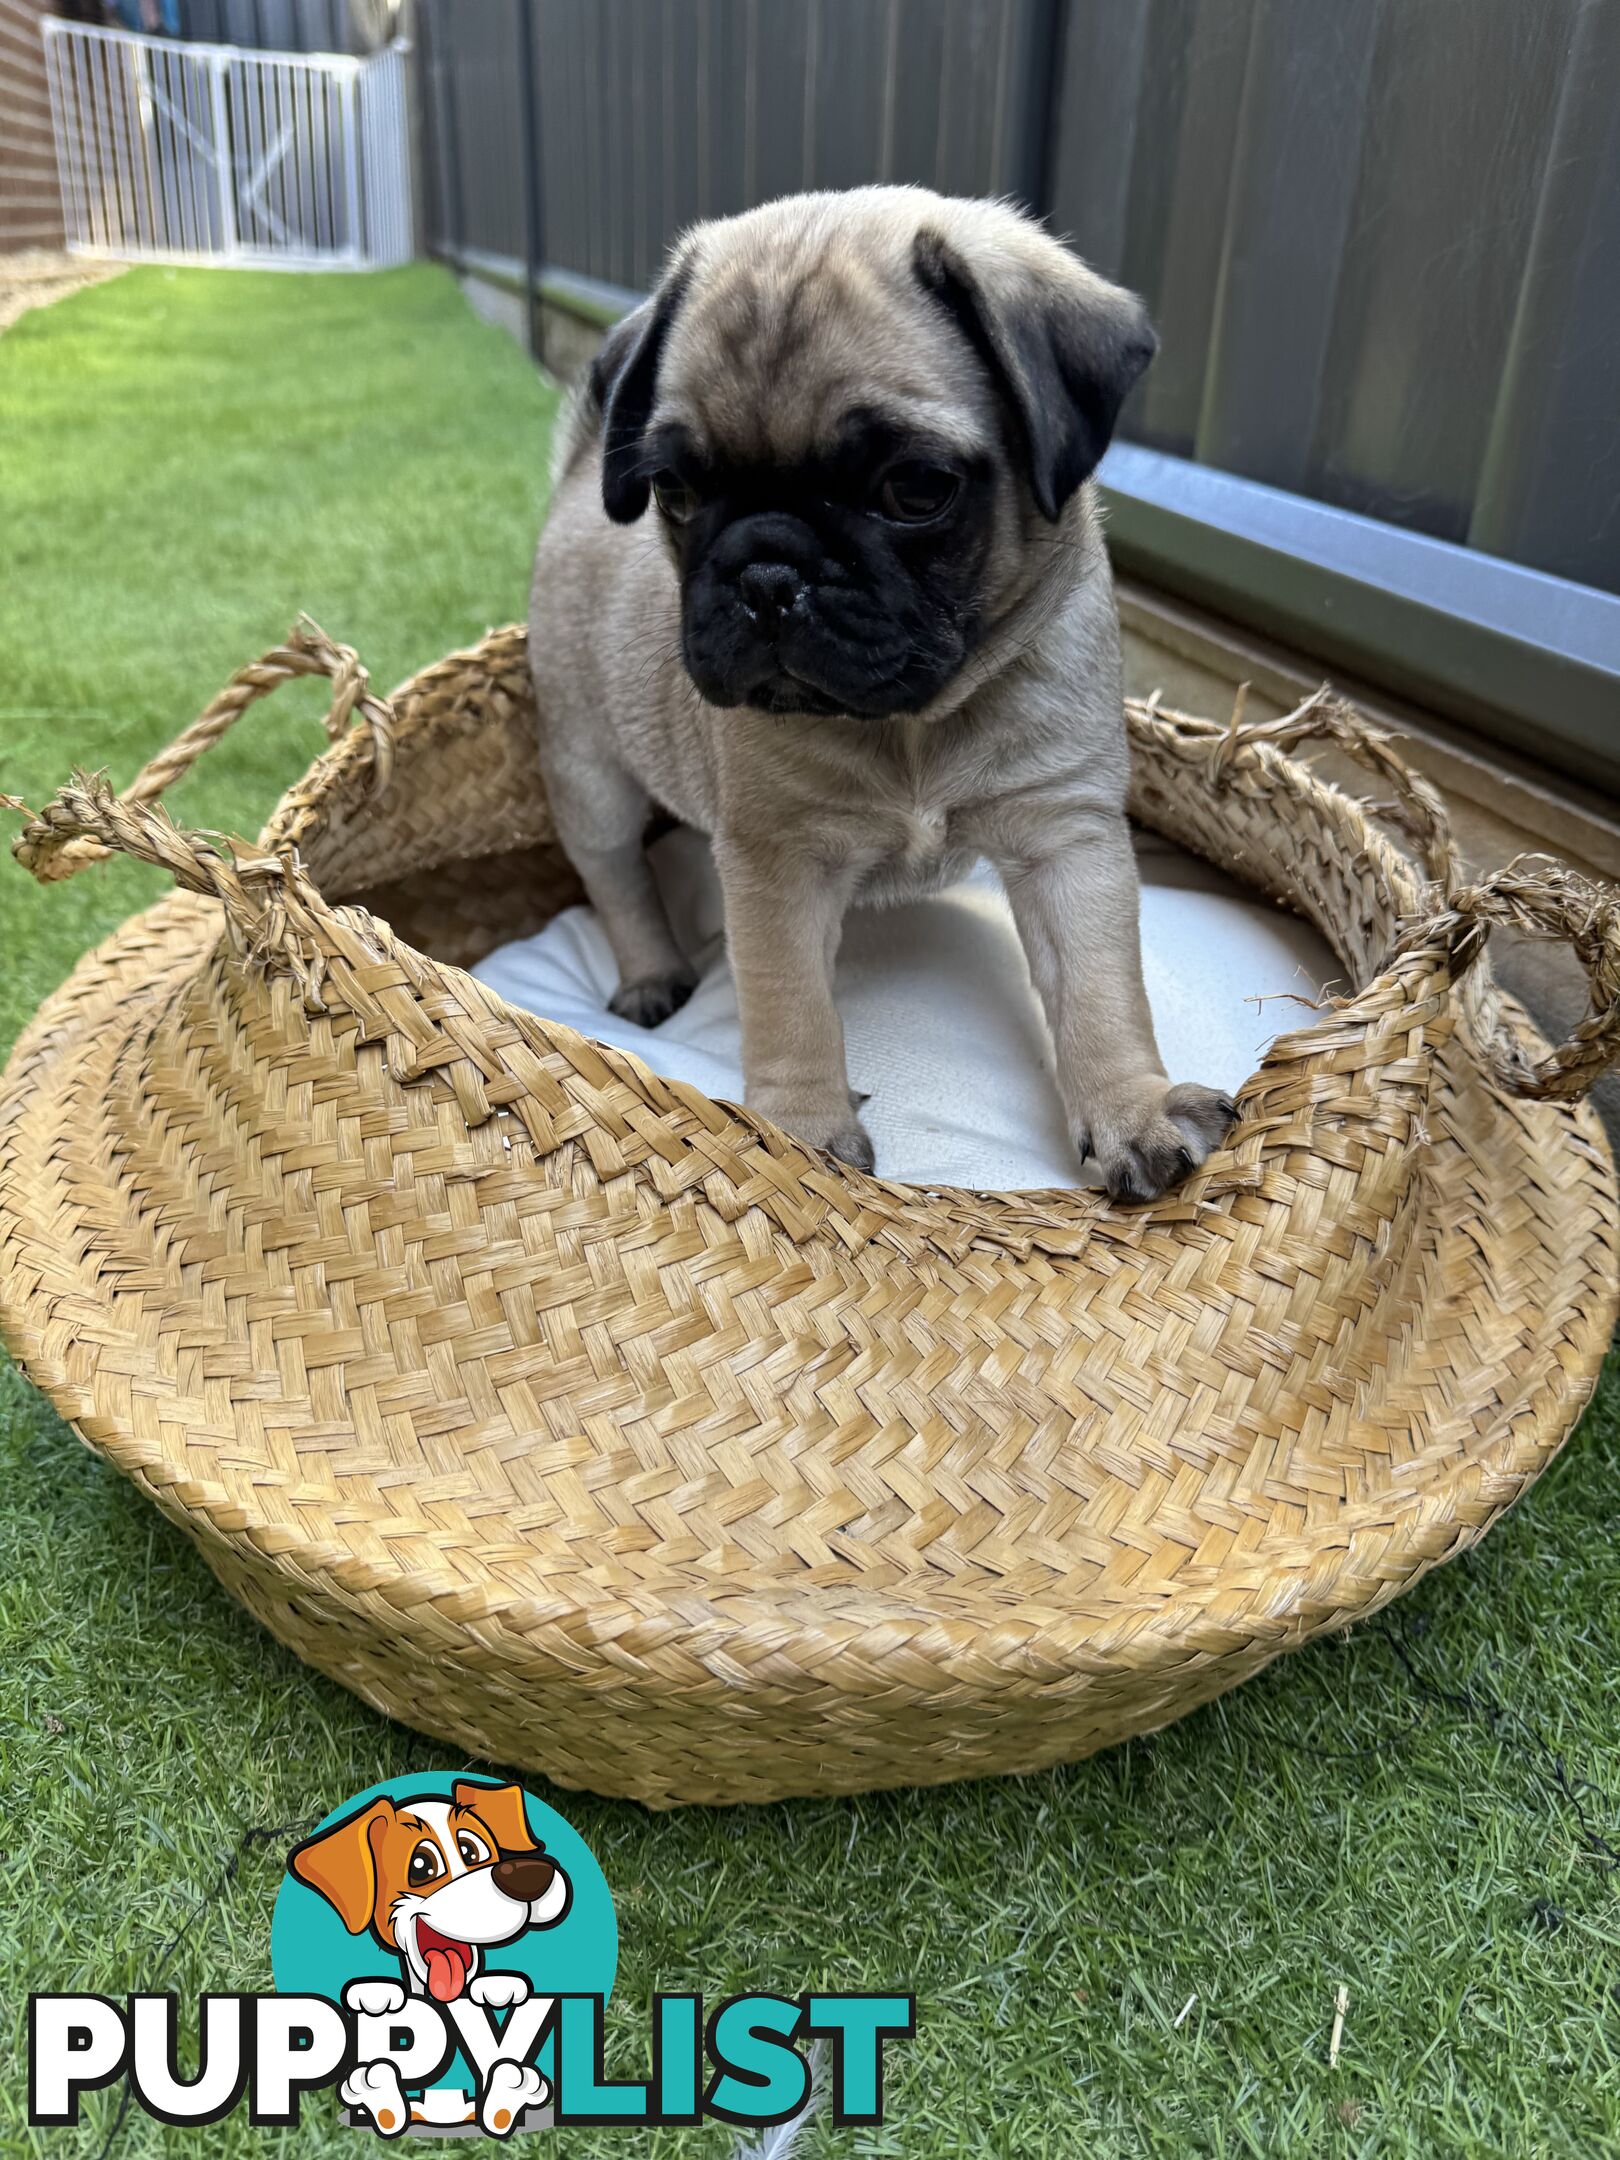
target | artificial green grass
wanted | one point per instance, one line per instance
(1426, 1811)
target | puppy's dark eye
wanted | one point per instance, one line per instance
(425, 1863)
(679, 503)
(472, 1848)
(913, 493)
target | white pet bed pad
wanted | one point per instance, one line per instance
(943, 1028)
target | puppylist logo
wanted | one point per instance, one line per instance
(443, 1952)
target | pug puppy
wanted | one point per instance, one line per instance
(824, 577)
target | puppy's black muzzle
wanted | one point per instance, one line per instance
(774, 618)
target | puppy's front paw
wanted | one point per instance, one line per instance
(650, 1001)
(1155, 1136)
(833, 1126)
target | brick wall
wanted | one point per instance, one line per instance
(30, 199)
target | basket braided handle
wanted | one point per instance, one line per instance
(1540, 899)
(1536, 897)
(1418, 809)
(268, 899)
(52, 848)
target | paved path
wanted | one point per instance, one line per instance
(39, 275)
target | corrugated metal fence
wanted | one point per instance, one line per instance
(300, 26)
(1381, 241)
(652, 113)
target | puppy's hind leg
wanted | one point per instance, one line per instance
(601, 815)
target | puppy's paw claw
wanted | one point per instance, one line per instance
(1204, 1114)
(853, 1146)
(649, 1002)
(832, 1126)
(1161, 1141)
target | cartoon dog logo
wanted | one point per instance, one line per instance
(439, 1883)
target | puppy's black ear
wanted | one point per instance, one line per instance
(1063, 352)
(624, 381)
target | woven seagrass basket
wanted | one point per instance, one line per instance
(604, 1430)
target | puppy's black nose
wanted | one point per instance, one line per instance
(524, 1876)
(769, 591)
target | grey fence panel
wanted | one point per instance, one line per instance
(780, 94)
(1382, 246)
(912, 113)
(604, 143)
(1181, 167)
(487, 93)
(652, 114)
(972, 82)
(569, 116)
(610, 24)
(1549, 488)
(443, 220)
(1290, 210)
(302, 26)
(691, 118)
(647, 117)
(1458, 128)
(728, 64)
(1380, 238)
(844, 92)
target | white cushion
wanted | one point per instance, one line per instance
(943, 1028)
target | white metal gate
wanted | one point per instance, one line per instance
(179, 153)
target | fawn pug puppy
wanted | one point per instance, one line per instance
(824, 577)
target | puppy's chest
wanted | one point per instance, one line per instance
(921, 859)
(914, 820)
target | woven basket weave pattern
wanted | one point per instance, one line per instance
(602, 1429)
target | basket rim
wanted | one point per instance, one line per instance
(339, 786)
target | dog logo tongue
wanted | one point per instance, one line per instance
(448, 1963)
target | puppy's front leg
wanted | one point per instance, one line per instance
(784, 916)
(1077, 912)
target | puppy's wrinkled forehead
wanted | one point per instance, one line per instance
(780, 338)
